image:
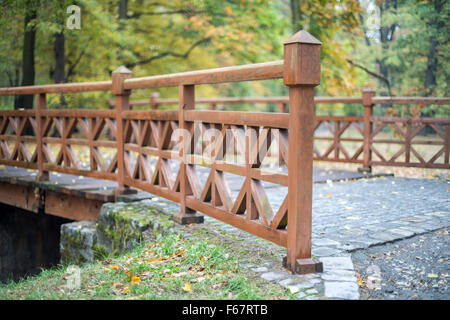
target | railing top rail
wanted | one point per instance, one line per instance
(237, 100)
(248, 72)
(410, 100)
(356, 100)
(58, 88)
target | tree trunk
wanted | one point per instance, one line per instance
(296, 14)
(26, 101)
(60, 62)
(432, 63)
(386, 33)
(123, 9)
(430, 76)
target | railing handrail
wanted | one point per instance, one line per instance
(57, 88)
(248, 72)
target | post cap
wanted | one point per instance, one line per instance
(303, 37)
(302, 60)
(122, 69)
(367, 95)
(118, 77)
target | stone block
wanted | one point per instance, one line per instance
(78, 243)
(121, 225)
(341, 290)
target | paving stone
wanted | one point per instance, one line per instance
(324, 251)
(312, 291)
(301, 295)
(330, 264)
(275, 275)
(260, 269)
(384, 236)
(341, 290)
(324, 242)
(339, 275)
(402, 232)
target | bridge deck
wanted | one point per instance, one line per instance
(80, 198)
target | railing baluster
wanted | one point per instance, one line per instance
(447, 144)
(41, 104)
(154, 97)
(122, 104)
(186, 101)
(367, 95)
(301, 74)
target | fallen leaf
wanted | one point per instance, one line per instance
(432, 275)
(360, 281)
(293, 289)
(135, 279)
(187, 287)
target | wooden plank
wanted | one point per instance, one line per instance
(263, 119)
(250, 72)
(58, 88)
(410, 100)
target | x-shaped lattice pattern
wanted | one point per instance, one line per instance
(336, 150)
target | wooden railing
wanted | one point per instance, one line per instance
(143, 154)
(358, 132)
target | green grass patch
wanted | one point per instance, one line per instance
(169, 267)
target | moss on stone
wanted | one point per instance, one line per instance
(121, 225)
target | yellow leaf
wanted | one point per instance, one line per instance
(328, 194)
(360, 281)
(187, 287)
(135, 279)
(126, 290)
(115, 267)
(228, 11)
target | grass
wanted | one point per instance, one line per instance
(169, 267)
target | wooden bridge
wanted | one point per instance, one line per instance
(163, 151)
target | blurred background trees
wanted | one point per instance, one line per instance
(397, 47)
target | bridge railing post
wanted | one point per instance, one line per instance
(122, 103)
(367, 95)
(154, 97)
(186, 101)
(41, 104)
(301, 74)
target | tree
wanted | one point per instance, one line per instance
(406, 44)
(335, 23)
(28, 70)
